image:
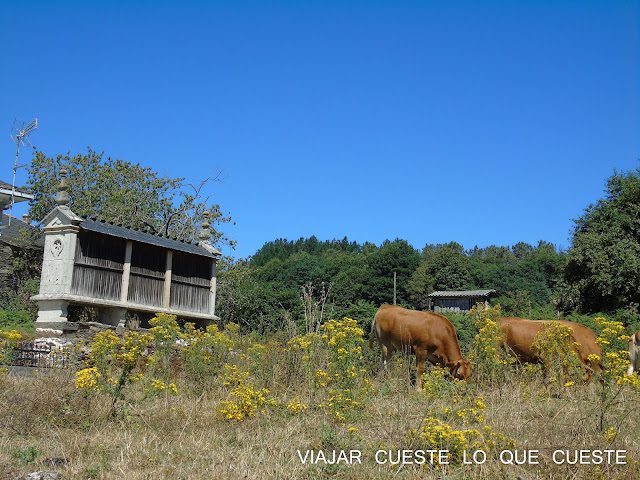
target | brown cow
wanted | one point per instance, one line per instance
(425, 334)
(520, 334)
(634, 353)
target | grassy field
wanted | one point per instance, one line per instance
(225, 405)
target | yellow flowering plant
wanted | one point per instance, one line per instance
(111, 363)
(348, 387)
(164, 333)
(615, 360)
(8, 342)
(303, 352)
(438, 435)
(246, 399)
(488, 357)
(203, 352)
(553, 344)
(296, 406)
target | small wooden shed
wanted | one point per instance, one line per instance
(118, 269)
(458, 301)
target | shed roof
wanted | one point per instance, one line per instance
(10, 232)
(119, 231)
(20, 194)
(463, 293)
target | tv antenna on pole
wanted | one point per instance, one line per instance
(22, 131)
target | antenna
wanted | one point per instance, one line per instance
(22, 130)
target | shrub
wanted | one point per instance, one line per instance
(488, 356)
(553, 345)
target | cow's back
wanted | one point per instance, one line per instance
(520, 334)
(586, 338)
(408, 327)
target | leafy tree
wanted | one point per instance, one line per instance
(603, 269)
(242, 299)
(397, 256)
(123, 193)
(449, 267)
(522, 270)
(420, 285)
(444, 267)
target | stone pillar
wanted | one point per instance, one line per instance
(56, 277)
(57, 263)
(52, 318)
(61, 227)
(212, 290)
(114, 316)
(126, 272)
(166, 294)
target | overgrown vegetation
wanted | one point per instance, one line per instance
(255, 292)
(184, 403)
(283, 375)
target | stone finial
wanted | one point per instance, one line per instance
(62, 197)
(205, 233)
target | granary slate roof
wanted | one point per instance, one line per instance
(144, 237)
(462, 293)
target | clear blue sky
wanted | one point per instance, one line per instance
(430, 121)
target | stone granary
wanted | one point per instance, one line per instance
(119, 270)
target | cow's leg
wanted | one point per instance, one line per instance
(634, 361)
(421, 357)
(387, 351)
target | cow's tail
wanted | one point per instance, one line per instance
(373, 333)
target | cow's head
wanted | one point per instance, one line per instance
(461, 369)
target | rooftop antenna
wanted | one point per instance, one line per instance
(21, 131)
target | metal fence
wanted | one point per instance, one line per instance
(32, 354)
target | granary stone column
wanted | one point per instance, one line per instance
(205, 241)
(166, 293)
(61, 234)
(212, 291)
(115, 316)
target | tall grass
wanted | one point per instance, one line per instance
(279, 392)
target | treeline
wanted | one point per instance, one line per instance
(299, 279)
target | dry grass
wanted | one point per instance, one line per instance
(44, 416)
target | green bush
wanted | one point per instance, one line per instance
(19, 320)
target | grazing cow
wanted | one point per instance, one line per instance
(425, 334)
(634, 353)
(520, 334)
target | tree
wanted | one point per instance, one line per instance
(449, 267)
(125, 194)
(419, 287)
(397, 256)
(603, 269)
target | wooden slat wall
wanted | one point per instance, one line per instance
(99, 262)
(98, 266)
(97, 283)
(189, 297)
(190, 283)
(146, 280)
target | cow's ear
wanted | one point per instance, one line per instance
(456, 367)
